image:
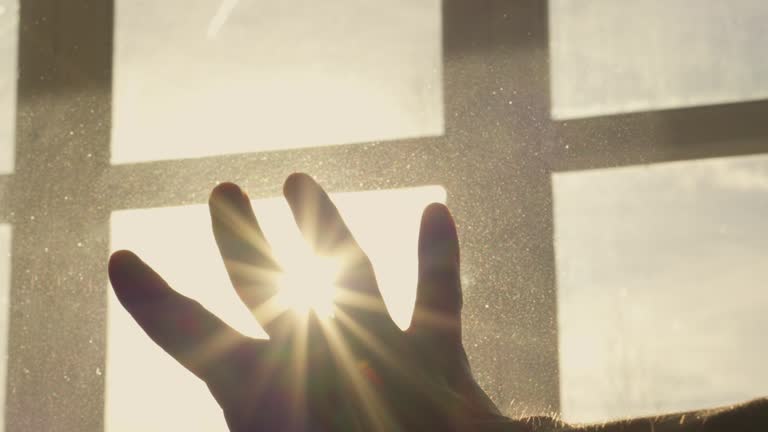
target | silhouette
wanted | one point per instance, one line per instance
(356, 370)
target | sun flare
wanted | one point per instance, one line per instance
(160, 235)
(309, 282)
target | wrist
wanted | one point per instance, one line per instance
(529, 424)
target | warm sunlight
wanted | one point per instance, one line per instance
(178, 243)
(638, 286)
(276, 62)
(308, 282)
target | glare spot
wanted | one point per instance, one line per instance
(309, 282)
(385, 223)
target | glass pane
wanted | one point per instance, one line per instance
(9, 36)
(5, 306)
(612, 57)
(198, 78)
(134, 363)
(661, 274)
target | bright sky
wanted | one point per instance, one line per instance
(661, 275)
(611, 56)
(232, 77)
(9, 31)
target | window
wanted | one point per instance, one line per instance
(613, 57)
(127, 113)
(244, 74)
(9, 22)
(160, 234)
(661, 275)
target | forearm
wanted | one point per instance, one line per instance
(750, 417)
(742, 418)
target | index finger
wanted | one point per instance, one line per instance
(181, 326)
(323, 227)
(247, 255)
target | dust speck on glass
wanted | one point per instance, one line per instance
(608, 176)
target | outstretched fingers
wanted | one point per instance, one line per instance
(437, 315)
(196, 338)
(247, 255)
(318, 218)
(323, 227)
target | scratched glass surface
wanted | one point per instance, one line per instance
(661, 287)
(162, 235)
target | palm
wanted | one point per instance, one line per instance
(356, 371)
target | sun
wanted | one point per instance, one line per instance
(309, 282)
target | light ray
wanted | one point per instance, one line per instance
(269, 311)
(236, 222)
(299, 365)
(372, 342)
(170, 240)
(240, 270)
(356, 299)
(371, 403)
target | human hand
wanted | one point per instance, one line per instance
(354, 371)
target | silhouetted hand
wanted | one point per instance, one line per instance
(355, 371)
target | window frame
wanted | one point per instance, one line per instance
(497, 113)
